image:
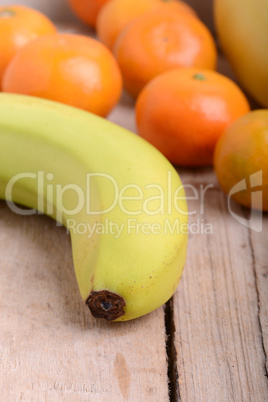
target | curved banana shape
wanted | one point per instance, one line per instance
(121, 200)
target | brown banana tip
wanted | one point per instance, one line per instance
(106, 304)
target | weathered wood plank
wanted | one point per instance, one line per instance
(219, 346)
(259, 249)
(51, 349)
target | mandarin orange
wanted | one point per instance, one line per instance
(241, 160)
(183, 113)
(117, 14)
(72, 69)
(87, 10)
(18, 26)
(159, 41)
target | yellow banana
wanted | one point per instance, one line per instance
(242, 28)
(121, 200)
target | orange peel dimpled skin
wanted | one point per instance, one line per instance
(160, 41)
(117, 14)
(72, 69)
(87, 10)
(18, 26)
(183, 113)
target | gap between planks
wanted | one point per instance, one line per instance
(172, 371)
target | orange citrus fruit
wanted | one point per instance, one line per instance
(183, 112)
(18, 26)
(72, 69)
(159, 41)
(241, 160)
(117, 14)
(87, 10)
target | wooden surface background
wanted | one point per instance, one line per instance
(209, 343)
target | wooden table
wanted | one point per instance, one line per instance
(208, 343)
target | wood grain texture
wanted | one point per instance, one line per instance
(51, 349)
(219, 341)
(259, 250)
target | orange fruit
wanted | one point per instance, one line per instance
(87, 10)
(159, 41)
(183, 112)
(117, 14)
(72, 69)
(18, 26)
(241, 160)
